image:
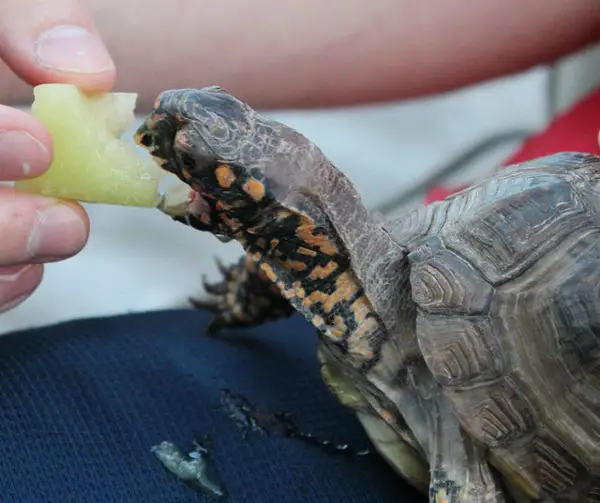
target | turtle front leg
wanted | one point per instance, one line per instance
(244, 297)
(459, 469)
(482, 487)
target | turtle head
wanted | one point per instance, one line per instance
(253, 179)
(188, 130)
(237, 163)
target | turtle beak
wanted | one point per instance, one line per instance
(177, 199)
(185, 205)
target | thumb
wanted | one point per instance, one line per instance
(54, 41)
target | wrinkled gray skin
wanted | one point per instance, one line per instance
(490, 300)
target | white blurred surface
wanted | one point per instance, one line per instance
(139, 260)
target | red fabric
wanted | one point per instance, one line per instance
(574, 130)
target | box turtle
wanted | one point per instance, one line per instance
(464, 333)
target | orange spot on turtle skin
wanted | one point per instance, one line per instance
(339, 327)
(358, 342)
(232, 223)
(319, 272)
(305, 232)
(365, 351)
(268, 270)
(361, 307)
(300, 292)
(346, 288)
(225, 176)
(318, 321)
(274, 243)
(255, 189)
(294, 265)
(326, 246)
(306, 251)
(294, 291)
(222, 205)
(315, 297)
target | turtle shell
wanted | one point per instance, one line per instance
(506, 279)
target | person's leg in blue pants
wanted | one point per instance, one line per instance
(82, 403)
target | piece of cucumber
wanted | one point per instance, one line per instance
(92, 163)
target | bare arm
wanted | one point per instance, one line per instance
(300, 53)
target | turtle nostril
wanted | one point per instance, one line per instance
(145, 140)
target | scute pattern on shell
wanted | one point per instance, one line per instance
(467, 354)
(447, 282)
(514, 258)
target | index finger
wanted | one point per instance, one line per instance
(54, 41)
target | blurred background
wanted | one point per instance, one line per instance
(138, 260)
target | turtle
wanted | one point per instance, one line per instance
(463, 333)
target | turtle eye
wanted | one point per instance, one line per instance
(182, 141)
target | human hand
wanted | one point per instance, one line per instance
(41, 42)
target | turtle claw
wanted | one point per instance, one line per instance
(226, 272)
(204, 305)
(243, 297)
(219, 288)
(218, 322)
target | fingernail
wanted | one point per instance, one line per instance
(72, 49)
(58, 232)
(21, 155)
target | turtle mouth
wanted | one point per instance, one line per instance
(179, 199)
(185, 205)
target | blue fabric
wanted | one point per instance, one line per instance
(81, 403)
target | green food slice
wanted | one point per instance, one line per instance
(92, 163)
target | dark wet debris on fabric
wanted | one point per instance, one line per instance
(249, 418)
(197, 468)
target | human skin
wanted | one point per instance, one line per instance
(305, 53)
(272, 53)
(35, 230)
